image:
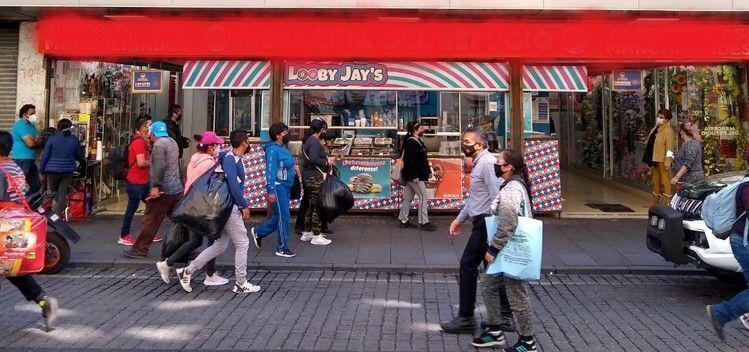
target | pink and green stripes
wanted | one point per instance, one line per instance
(555, 78)
(492, 76)
(226, 74)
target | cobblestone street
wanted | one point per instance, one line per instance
(357, 311)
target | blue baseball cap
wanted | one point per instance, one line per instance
(158, 129)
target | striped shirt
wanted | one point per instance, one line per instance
(7, 191)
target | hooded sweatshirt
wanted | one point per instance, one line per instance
(199, 164)
(512, 196)
(279, 169)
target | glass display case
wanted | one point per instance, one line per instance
(238, 108)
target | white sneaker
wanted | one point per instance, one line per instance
(215, 280)
(320, 240)
(163, 269)
(246, 287)
(745, 320)
(306, 236)
(184, 279)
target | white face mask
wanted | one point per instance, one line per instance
(33, 119)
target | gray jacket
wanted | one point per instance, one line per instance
(507, 206)
(165, 166)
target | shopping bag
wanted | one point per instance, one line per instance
(296, 189)
(77, 205)
(396, 172)
(521, 257)
(335, 197)
(23, 235)
(207, 205)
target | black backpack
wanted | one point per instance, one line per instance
(118, 164)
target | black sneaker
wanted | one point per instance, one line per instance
(127, 253)
(459, 325)
(49, 311)
(286, 254)
(427, 227)
(506, 327)
(257, 240)
(407, 225)
(488, 339)
(715, 326)
(523, 346)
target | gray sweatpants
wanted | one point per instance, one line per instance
(411, 189)
(237, 232)
(517, 294)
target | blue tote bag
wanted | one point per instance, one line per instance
(521, 257)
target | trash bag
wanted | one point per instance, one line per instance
(178, 235)
(335, 198)
(207, 205)
(296, 189)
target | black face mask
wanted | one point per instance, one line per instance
(286, 139)
(469, 150)
(498, 170)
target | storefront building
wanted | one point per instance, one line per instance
(368, 75)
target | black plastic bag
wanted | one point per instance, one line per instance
(207, 205)
(335, 198)
(178, 235)
(296, 189)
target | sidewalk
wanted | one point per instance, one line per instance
(374, 242)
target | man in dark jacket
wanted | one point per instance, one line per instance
(174, 130)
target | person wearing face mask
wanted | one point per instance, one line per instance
(200, 163)
(483, 190)
(58, 162)
(175, 132)
(26, 141)
(325, 229)
(279, 176)
(659, 155)
(415, 174)
(315, 165)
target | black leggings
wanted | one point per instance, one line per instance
(194, 241)
(59, 183)
(29, 288)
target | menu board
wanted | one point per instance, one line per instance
(366, 177)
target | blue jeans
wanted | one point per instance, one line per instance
(31, 172)
(135, 194)
(738, 305)
(281, 219)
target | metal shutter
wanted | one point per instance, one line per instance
(8, 74)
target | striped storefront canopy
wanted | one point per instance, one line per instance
(226, 74)
(466, 76)
(555, 78)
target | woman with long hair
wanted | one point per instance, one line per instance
(415, 174)
(688, 158)
(513, 199)
(58, 162)
(315, 165)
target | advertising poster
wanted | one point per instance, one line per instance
(366, 177)
(626, 80)
(446, 181)
(146, 81)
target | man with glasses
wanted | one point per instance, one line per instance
(484, 188)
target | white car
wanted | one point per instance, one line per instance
(679, 235)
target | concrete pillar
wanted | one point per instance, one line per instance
(32, 73)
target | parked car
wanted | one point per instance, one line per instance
(679, 235)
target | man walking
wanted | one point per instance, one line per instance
(484, 188)
(174, 130)
(26, 142)
(166, 188)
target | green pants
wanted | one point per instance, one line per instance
(313, 185)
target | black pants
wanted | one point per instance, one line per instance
(473, 256)
(29, 288)
(303, 205)
(194, 241)
(59, 183)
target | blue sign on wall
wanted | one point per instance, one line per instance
(626, 80)
(146, 81)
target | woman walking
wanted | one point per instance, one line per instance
(200, 163)
(415, 174)
(279, 174)
(58, 163)
(688, 159)
(512, 200)
(316, 164)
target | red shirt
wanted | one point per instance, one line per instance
(135, 174)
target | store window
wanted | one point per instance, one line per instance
(238, 109)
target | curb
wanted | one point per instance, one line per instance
(401, 269)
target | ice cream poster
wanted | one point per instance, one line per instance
(366, 177)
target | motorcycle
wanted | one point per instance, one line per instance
(59, 234)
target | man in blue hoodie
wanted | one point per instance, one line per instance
(234, 230)
(279, 174)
